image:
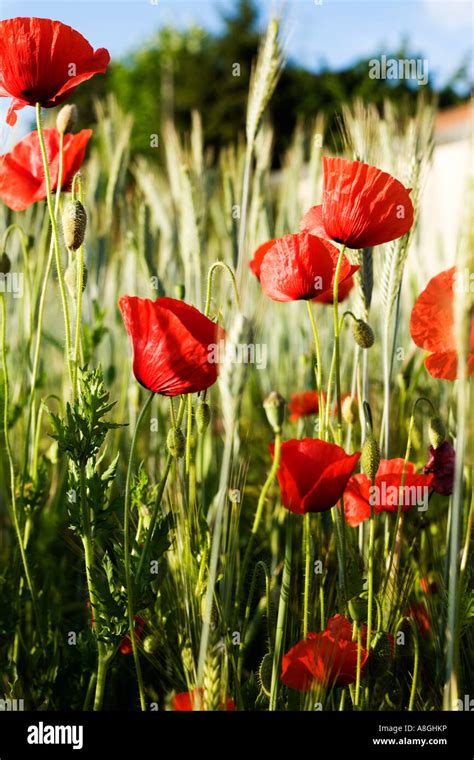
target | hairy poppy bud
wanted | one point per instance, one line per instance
(370, 457)
(151, 644)
(70, 277)
(175, 442)
(67, 119)
(358, 607)
(180, 292)
(437, 432)
(274, 406)
(5, 263)
(264, 676)
(363, 333)
(74, 220)
(203, 417)
(349, 410)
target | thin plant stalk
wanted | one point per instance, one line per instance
(282, 613)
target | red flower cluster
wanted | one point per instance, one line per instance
(171, 342)
(328, 658)
(432, 327)
(43, 61)
(186, 701)
(387, 495)
(22, 180)
(362, 206)
(313, 474)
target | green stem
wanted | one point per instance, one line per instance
(371, 566)
(319, 370)
(127, 553)
(54, 225)
(307, 570)
(416, 659)
(79, 289)
(210, 280)
(282, 614)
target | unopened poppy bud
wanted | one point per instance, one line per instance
(437, 432)
(67, 118)
(264, 676)
(180, 292)
(5, 263)
(151, 644)
(363, 333)
(176, 442)
(358, 607)
(70, 277)
(74, 220)
(203, 417)
(274, 406)
(370, 457)
(349, 410)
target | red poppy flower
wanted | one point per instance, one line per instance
(441, 465)
(419, 612)
(185, 701)
(432, 327)
(387, 495)
(303, 404)
(43, 61)
(172, 345)
(126, 645)
(341, 627)
(328, 658)
(22, 179)
(258, 256)
(301, 267)
(313, 474)
(362, 206)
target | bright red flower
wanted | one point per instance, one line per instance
(303, 404)
(328, 658)
(362, 206)
(301, 267)
(22, 179)
(313, 474)
(258, 256)
(185, 701)
(172, 345)
(387, 495)
(432, 327)
(43, 61)
(126, 645)
(341, 627)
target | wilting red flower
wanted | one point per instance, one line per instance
(172, 345)
(126, 645)
(301, 267)
(387, 495)
(22, 179)
(432, 327)
(258, 256)
(313, 474)
(303, 404)
(43, 61)
(362, 206)
(328, 658)
(441, 465)
(185, 701)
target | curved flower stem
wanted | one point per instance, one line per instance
(337, 333)
(358, 632)
(258, 516)
(282, 613)
(416, 659)
(6, 434)
(127, 555)
(210, 280)
(79, 289)
(307, 570)
(370, 575)
(319, 369)
(54, 225)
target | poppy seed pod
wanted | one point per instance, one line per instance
(370, 457)
(203, 417)
(358, 607)
(67, 118)
(363, 333)
(175, 442)
(437, 432)
(74, 220)
(274, 406)
(5, 263)
(349, 410)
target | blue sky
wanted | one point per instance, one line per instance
(336, 32)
